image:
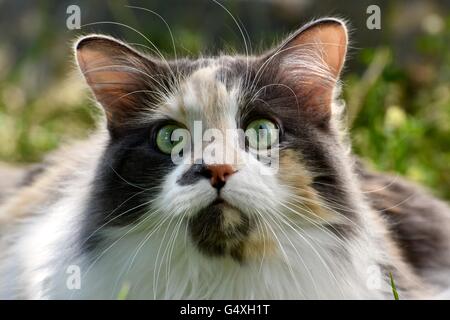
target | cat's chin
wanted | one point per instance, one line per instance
(220, 229)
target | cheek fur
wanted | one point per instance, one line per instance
(303, 199)
(176, 199)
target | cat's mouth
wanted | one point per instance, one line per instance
(217, 201)
(220, 229)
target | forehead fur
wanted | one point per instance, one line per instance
(207, 94)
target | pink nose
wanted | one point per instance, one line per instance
(219, 174)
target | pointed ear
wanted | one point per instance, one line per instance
(310, 62)
(121, 78)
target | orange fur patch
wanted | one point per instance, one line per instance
(305, 200)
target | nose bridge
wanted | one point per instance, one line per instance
(211, 114)
(222, 144)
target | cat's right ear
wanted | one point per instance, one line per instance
(309, 63)
(120, 77)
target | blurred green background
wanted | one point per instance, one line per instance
(396, 84)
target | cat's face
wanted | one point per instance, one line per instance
(231, 199)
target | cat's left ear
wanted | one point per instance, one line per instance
(310, 62)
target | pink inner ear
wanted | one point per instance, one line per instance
(310, 64)
(333, 40)
(112, 75)
(110, 80)
(330, 41)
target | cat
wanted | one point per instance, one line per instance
(115, 213)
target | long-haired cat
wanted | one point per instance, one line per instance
(116, 211)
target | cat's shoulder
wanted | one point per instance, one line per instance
(417, 220)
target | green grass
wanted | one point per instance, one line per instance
(401, 117)
(394, 288)
(124, 292)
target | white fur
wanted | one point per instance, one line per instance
(156, 257)
(309, 267)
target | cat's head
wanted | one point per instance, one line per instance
(230, 207)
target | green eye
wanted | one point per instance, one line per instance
(261, 134)
(164, 138)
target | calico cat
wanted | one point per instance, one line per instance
(116, 211)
